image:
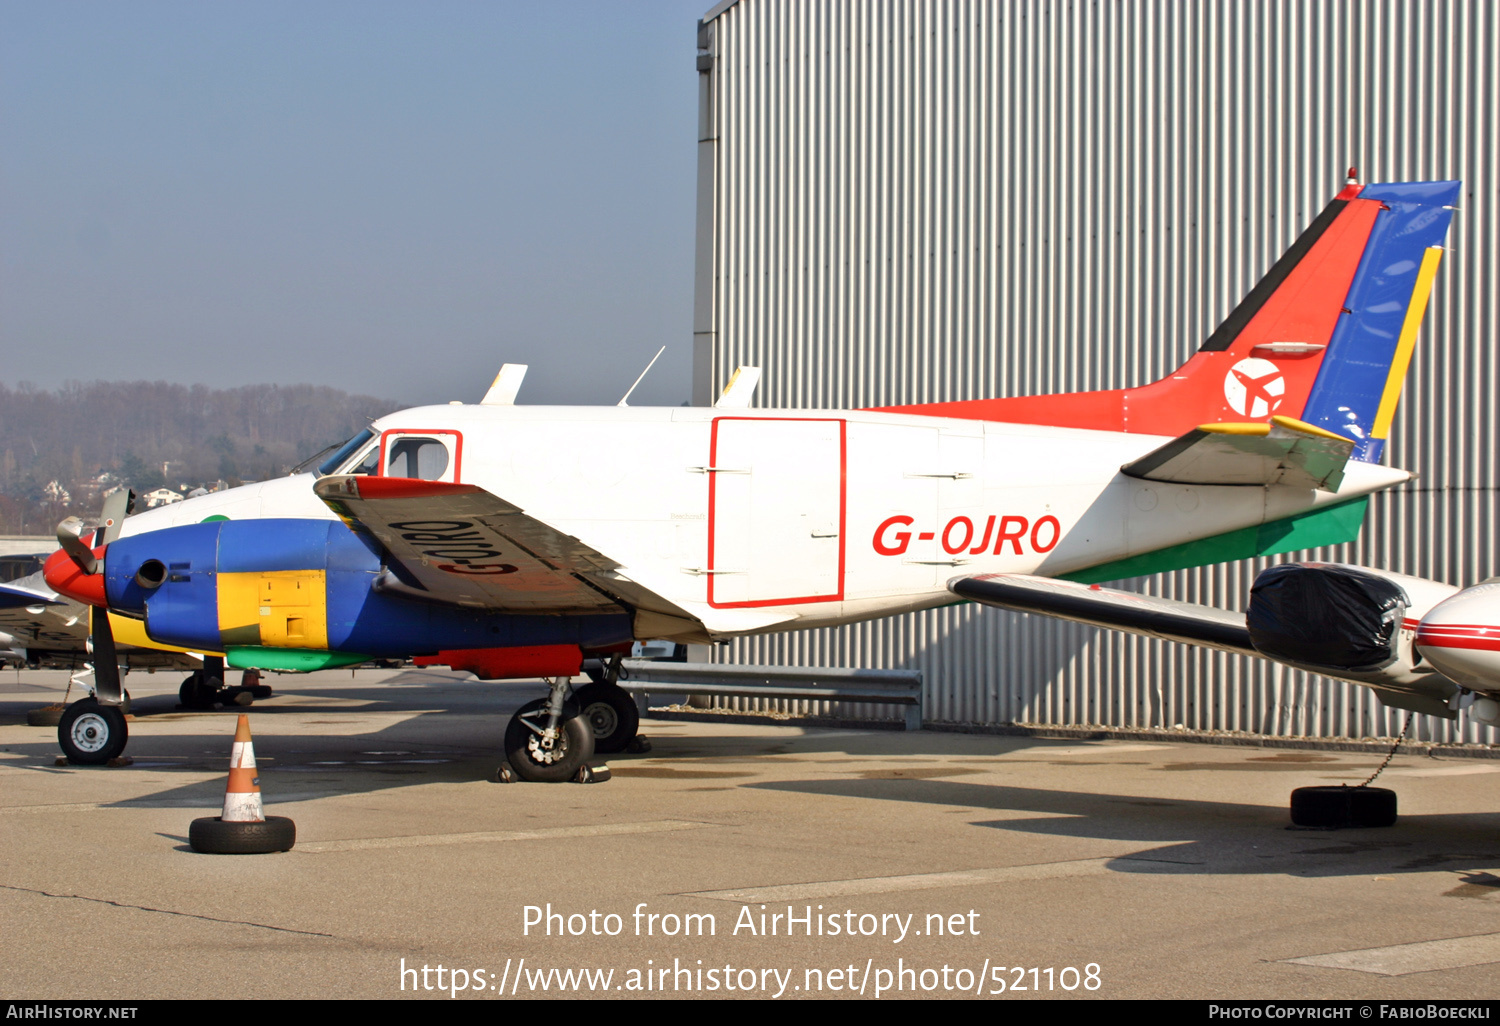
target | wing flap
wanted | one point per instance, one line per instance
(1284, 451)
(1126, 611)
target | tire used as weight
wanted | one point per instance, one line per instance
(213, 836)
(1341, 807)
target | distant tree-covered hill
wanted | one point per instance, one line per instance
(59, 450)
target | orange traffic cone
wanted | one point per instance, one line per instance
(242, 795)
(243, 828)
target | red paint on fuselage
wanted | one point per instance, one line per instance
(511, 663)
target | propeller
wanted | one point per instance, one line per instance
(117, 506)
(70, 537)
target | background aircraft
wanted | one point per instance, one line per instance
(1419, 645)
(515, 541)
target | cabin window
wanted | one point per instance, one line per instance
(414, 456)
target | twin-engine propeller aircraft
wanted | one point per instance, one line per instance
(516, 541)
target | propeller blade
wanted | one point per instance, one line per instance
(70, 537)
(118, 505)
(107, 687)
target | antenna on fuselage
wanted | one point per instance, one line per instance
(740, 390)
(631, 389)
(505, 386)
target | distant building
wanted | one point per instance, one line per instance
(161, 497)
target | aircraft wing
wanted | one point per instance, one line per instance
(1285, 451)
(1126, 611)
(458, 544)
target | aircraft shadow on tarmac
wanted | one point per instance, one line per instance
(431, 745)
(1202, 837)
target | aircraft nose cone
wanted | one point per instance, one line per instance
(63, 576)
(1461, 637)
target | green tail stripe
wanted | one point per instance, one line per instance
(297, 660)
(1332, 525)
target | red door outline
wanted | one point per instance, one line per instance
(713, 455)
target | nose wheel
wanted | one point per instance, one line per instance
(91, 734)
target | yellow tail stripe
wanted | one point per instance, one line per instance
(1408, 341)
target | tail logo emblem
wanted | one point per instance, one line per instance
(1253, 388)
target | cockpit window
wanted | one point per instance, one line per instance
(346, 450)
(368, 463)
(424, 458)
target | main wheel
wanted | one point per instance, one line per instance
(611, 714)
(537, 759)
(92, 734)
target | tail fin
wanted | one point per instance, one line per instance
(1324, 337)
(1356, 391)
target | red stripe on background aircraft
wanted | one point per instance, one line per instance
(518, 540)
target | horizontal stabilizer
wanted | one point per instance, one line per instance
(1126, 611)
(1284, 451)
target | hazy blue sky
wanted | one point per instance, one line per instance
(392, 198)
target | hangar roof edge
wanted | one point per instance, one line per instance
(716, 10)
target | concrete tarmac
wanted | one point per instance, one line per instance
(732, 860)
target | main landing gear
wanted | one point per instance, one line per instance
(553, 738)
(547, 741)
(204, 689)
(610, 711)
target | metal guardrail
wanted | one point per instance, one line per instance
(893, 687)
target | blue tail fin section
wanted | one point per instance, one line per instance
(1359, 382)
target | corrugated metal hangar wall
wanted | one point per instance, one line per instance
(925, 200)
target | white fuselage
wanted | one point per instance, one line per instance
(756, 520)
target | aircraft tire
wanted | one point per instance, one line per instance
(91, 734)
(1341, 807)
(531, 761)
(213, 836)
(611, 714)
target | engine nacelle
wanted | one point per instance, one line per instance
(1351, 622)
